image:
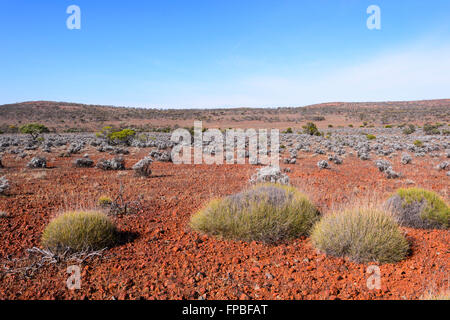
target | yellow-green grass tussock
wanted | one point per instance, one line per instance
(267, 213)
(362, 235)
(80, 231)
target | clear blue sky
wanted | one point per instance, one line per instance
(217, 53)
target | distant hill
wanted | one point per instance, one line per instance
(63, 116)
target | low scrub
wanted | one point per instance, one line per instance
(79, 231)
(362, 235)
(419, 208)
(266, 212)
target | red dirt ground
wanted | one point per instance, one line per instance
(169, 261)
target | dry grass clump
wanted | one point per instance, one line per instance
(419, 208)
(79, 231)
(361, 234)
(266, 212)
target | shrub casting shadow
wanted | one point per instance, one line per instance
(124, 237)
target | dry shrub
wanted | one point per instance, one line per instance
(266, 212)
(79, 231)
(362, 235)
(419, 208)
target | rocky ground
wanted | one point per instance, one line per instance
(161, 258)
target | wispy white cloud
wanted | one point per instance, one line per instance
(414, 72)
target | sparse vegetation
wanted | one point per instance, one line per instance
(371, 137)
(162, 201)
(362, 235)
(431, 129)
(267, 213)
(79, 231)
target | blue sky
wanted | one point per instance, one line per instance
(217, 53)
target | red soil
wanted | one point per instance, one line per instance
(169, 261)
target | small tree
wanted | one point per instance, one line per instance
(311, 129)
(34, 129)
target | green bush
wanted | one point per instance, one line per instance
(419, 208)
(362, 235)
(123, 136)
(288, 130)
(79, 231)
(34, 129)
(311, 129)
(418, 143)
(370, 137)
(266, 212)
(114, 136)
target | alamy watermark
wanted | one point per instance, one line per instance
(374, 20)
(74, 280)
(374, 281)
(232, 146)
(73, 22)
